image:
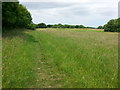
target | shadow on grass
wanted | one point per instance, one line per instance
(21, 33)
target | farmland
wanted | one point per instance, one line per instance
(60, 58)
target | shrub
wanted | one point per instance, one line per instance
(112, 26)
(31, 26)
(42, 25)
(15, 15)
(100, 27)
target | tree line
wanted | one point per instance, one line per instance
(43, 25)
(15, 15)
(112, 25)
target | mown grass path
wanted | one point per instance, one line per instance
(60, 58)
(48, 75)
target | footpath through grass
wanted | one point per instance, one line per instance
(60, 58)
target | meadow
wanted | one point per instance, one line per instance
(59, 58)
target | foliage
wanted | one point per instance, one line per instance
(65, 26)
(91, 27)
(15, 15)
(31, 26)
(112, 26)
(81, 26)
(49, 26)
(41, 25)
(100, 27)
(118, 25)
(24, 16)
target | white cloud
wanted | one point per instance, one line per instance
(54, 0)
(70, 1)
(86, 12)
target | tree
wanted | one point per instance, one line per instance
(77, 26)
(112, 26)
(49, 26)
(100, 27)
(42, 25)
(65, 26)
(118, 28)
(31, 26)
(15, 15)
(9, 17)
(59, 25)
(24, 16)
(81, 26)
(55, 26)
(71, 26)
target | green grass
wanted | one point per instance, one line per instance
(69, 58)
(0, 60)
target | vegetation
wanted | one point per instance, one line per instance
(32, 26)
(112, 26)
(100, 27)
(42, 25)
(57, 56)
(60, 58)
(21, 18)
(15, 15)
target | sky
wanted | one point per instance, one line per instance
(74, 12)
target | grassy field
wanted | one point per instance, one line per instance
(60, 58)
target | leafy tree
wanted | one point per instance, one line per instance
(81, 26)
(15, 15)
(71, 26)
(59, 26)
(100, 27)
(9, 11)
(112, 26)
(118, 28)
(91, 27)
(49, 26)
(77, 26)
(55, 26)
(31, 26)
(42, 25)
(66, 26)
(24, 16)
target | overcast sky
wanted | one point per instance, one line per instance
(85, 12)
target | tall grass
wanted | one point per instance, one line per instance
(0, 61)
(88, 58)
(18, 59)
(60, 58)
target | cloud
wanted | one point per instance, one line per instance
(71, 1)
(54, 0)
(86, 12)
(45, 5)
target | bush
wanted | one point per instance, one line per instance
(15, 15)
(118, 25)
(42, 25)
(112, 26)
(100, 27)
(49, 26)
(31, 26)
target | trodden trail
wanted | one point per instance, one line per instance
(48, 75)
